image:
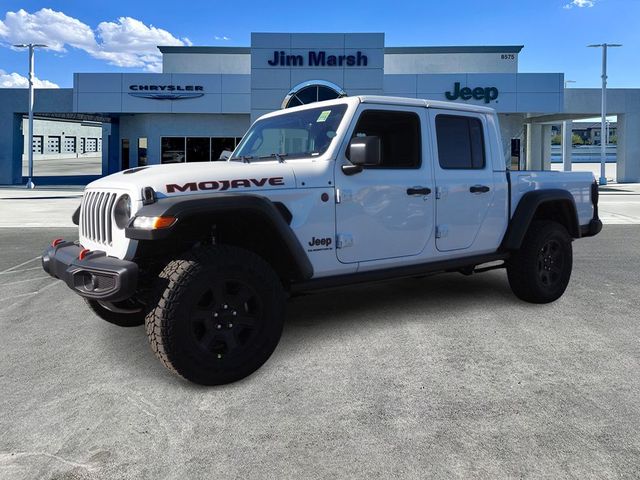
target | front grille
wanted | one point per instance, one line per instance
(95, 216)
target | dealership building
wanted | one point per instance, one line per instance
(206, 98)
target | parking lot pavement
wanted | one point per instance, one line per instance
(439, 377)
(620, 204)
(42, 207)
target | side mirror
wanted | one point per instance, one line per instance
(365, 151)
(225, 155)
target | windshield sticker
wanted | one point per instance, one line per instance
(323, 116)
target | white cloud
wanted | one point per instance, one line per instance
(15, 80)
(222, 37)
(580, 4)
(127, 42)
(52, 28)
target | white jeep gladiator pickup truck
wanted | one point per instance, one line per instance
(333, 193)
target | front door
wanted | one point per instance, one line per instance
(463, 177)
(386, 211)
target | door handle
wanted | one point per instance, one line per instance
(479, 189)
(418, 191)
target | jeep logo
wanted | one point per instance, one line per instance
(223, 185)
(487, 94)
(317, 242)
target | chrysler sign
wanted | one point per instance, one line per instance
(166, 92)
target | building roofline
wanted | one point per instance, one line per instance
(392, 50)
(456, 49)
(222, 50)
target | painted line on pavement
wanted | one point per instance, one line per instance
(10, 269)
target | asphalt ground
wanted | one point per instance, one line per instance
(440, 377)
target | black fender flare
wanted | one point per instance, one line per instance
(185, 207)
(527, 208)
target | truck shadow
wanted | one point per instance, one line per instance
(451, 295)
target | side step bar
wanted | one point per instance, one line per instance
(400, 272)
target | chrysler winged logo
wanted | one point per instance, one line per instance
(166, 92)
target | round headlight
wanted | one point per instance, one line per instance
(122, 211)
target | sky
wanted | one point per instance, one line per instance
(121, 36)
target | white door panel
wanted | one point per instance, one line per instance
(464, 195)
(377, 216)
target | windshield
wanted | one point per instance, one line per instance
(307, 133)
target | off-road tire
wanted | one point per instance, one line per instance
(134, 319)
(196, 297)
(540, 271)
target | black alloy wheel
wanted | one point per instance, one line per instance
(226, 318)
(540, 270)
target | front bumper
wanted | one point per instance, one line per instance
(96, 276)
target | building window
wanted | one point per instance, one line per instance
(220, 144)
(399, 134)
(312, 91)
(83, 145)
(37, 144)
(198, 149)
(69, 144)
(142, 152)
(195, 149)
(53, 144)
(172, 149)
(460, 142)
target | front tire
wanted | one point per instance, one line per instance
(219, 315)
(540, 271)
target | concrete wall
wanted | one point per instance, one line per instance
(63, 129)
(629, 147)
(397, 63)
(201, 61)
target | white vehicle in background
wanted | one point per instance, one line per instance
(333, 193)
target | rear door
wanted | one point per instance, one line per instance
(463, 177)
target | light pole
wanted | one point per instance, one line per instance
(603, 146)
(31, 47)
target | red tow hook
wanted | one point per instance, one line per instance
(83, 253)
(57, 242)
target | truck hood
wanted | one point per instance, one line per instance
(191, 178)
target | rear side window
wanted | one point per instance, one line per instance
(460, 142)
(399, 134)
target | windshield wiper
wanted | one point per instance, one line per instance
(278, 156)
(242, 158)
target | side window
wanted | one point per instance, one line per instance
(399, 134)
(460, 142)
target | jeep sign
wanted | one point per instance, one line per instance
(479, 93)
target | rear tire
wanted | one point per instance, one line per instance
(121, 319)
(219, 314)
(540, 271)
